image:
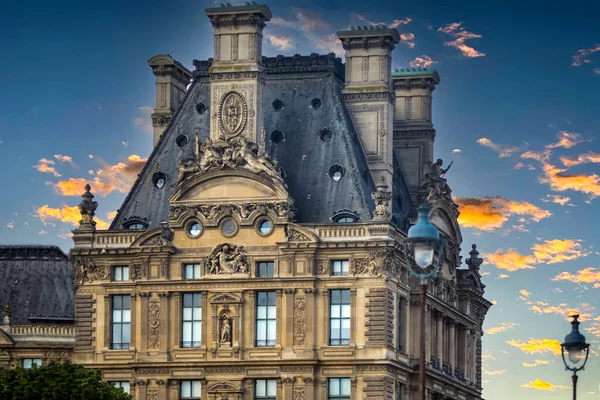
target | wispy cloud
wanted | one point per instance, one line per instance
(542, 307)
(493, 372)
(423, 61)
(47, 167)
(398, 22)
(543, 385)
(503, 327)
(118, 177)
(589, 157)
(566, 140)
(537, 346)
(490, 213)
(536, 363)
(553, 198)
(280, 42)
(408, 39)
(10, 225)
(502, 149)
(65, 159)
(460, 35)
(43, 232)
(144, 121)
(582, 56)
(587, 275)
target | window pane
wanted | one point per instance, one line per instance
(346, 311)
(117, 316)
(197, 299)
(262, 298)
(261, 312)
(345, 296)
(272, 312)
(261, 388)
(196, 389)
(126, 302)
(187, 300)
(186, 334)
(125, 273)
(335, 311)
(117, 302)
(345, 266)
(335, 296)
(197, 331)
(345, 386)
(126, 316)
(197, 313)
(334, 387)
(272, 300)
(125, 333)
(186, 388)
(272, 329)
(187, 314)
(261, 330)
(271, 387)
(197, 275)
(118, 276)
(27, 363)
(116, 333)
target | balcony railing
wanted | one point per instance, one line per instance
(42, 331)
(447, 369)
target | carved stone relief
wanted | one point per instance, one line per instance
(299, 320)
(227, 259)
(86, 271)
(299, 393)
(153, 324)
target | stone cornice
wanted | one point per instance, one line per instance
(369, 96)
(369, 37)
(32, 253)
(414, 83)
(249, 15)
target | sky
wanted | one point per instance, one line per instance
(517, 110)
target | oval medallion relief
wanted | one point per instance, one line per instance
(233, 113)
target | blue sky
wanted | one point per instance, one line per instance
(77, 93)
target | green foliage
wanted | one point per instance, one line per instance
(57, 381)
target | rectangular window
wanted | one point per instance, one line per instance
(339, 267)
(339, 318)
(400, 324)
(266, 269)
(265, 389)
(121, 322)
(191, 271)
(338, 389)
(123, 385)
(121, 273)
(399, 392)
(191, 320)
(266, 319)
(30, 362)
(189, 390)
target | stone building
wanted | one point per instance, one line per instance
(259, 254)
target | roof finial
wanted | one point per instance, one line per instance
(7, 315)
(87, 208)
(474, 262)
(382, 198)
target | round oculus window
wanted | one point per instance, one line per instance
(265, 227)
(277, 105)
(336, 173)
(277, 137)
(159, 179)
(195, 229)
(316, 103)
(200, 108)
(325, 135)
(228, 227)
(181, 141)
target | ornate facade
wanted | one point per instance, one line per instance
(259, 253)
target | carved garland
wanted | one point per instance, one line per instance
(299, 320)
(154, 324)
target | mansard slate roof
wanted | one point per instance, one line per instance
(306, 159)
(37, 284)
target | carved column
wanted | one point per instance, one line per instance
(133, 340)
(173, 389)
(107, 321)
(322, 338)
(162, 388)
(473, 356)
(353, 394)
(278, 315)
(175, 320)
(288, 390)
(353, 326)
(440, 336)
(309, 388)
(452, 345)
(164, 322)
(144, 305)
(288, 311)
(142, 388)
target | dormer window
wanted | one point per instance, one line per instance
(135, 223)
(346, 219)
(345, 216)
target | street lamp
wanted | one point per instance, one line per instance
(423, 239)
(577, 352)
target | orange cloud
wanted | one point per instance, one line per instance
(65, 159)
(586, 275)
(557, 250)
(566, 140)
(543, 385)
(490, 213)
(581, 56)
(505, 326)
(46, 166)
(510, 260)
(503, 276)
(486, 357)
(536, 363)
(65, 214)
(280, 42)
(397, 22)
(589, 157)
(504, 150)
(537, 346)
(460, 36)
(541, 307)
(552, 198)
(422, 62)
(408, 39)
(118, 177)
(111, 214)
(524, 293)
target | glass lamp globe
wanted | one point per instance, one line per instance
(423, 254)
(576, 355)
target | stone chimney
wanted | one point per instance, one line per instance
(172, 79)
(368, 95)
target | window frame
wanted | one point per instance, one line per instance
(266, 342)
(272, 270)
(121, 268)
(190, 397)
(33, 362)
(191, 321)
(119, 384)
(196, 267)
(266, 383)
(341, 340)
(400, 325)
(339, 396)
(119, 345)
(342, 263)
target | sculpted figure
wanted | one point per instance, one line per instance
(186, 166)
(257, 162)
(227, 259)
(436, 184)
(225, 330)
(211, 157)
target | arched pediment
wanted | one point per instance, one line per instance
(221, 387)
(150, 238)
(297, 233)
(224, 298)
(441, 217)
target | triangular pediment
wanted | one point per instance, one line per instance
(5, 339)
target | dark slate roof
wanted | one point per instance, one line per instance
(37, 283)
(305, 158)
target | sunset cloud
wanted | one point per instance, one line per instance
(144, 121)
(566, 140)
(587, 275)
(280, 42)
(505, 326)
(494, 372)
(422, 62)
(542, 307)
(111, 214)
(64, 214)
(536, 363)
(503, 149)
(460, 36)
(581, 56)
(397, 22)
(65, 159)
(537, 346)
(118, 177)
(47, 167)
(543, 385)
(408, 39)
(524, 292)
(589, 157)
(553, 198)
(490, 213)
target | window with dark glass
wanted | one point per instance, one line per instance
(346, 219)
(265, 389)
(266, 269)
(400, 323)
(191, 321)
(191, 271)
(121, 322)
(339, 317)
(123, 385)
(339, 267)
(266, 319)
(121, 273)
(189, 390)
(338, 389)
(30, 362)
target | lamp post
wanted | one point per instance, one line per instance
(577, 352)
(421, 242)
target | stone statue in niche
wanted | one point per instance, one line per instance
(225, 330)
(227, 259)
